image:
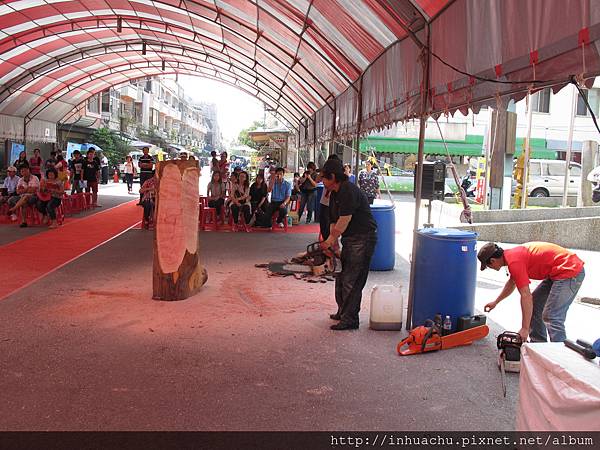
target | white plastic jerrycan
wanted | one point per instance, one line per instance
(386, 308)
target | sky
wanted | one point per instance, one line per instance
(236, 110)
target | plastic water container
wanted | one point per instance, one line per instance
(445, 274)
(386, 308)
(384, 256)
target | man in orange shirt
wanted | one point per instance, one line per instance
(561, 272)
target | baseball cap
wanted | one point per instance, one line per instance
(11, 169)
(485, 253)
(333, 166)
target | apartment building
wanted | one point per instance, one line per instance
(154, 108)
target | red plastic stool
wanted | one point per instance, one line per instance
(32, 216)
(209, 213)
(77, 203)
(275, 225)
(87, 204)
(60, 214)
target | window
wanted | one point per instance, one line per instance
(535, 168)
(540, 101)
(593, 98)
(556, 169)
(93, 105)
(575, 171)
(105, 101)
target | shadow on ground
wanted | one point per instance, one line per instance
(87, 349)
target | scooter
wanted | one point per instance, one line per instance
(468, 185)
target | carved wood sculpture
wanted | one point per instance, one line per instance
(177, 274)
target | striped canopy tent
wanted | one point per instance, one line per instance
(329, 68)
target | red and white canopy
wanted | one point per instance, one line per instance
(311, 61)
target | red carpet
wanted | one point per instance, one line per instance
(34, 257)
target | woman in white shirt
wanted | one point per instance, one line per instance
(215, 192)
(129, 173)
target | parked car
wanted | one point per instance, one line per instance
(547, 178)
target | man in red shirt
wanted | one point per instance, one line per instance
(561, 272)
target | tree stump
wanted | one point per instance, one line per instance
(176, 273)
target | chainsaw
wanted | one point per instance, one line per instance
(428, 338)
(509, 357)
(320, 262)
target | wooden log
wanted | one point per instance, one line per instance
(176, 273)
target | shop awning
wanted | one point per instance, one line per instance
(473, 146)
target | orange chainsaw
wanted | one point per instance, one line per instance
(429, 339)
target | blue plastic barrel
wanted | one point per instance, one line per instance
(320, 188)
(445, 274)
(385, 250)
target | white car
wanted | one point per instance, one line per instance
(547, 178)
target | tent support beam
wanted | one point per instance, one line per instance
(419, 176)
(358, 127)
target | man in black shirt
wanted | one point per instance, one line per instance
(351, 218)
(91, 175)
(76, 168)
(146, 164)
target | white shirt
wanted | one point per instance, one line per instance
(10, 183)
(32, 183)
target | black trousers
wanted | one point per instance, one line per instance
(324, 221)
(357, 251)
(49, 207)
(217, 204)
(148, 208)
(245, 208)
(271, 209)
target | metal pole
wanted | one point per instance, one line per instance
(419, 178)
(527, 152)
(358, 125)
(569, 147)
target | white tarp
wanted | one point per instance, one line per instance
(559, 390)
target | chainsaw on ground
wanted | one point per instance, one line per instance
(509, 356)
(320, 262)
(428, 338)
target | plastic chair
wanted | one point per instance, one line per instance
(275, 225)
(87, 200)
(209, 213)
(32, 216)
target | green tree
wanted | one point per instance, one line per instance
(114, 147)
(244, 138)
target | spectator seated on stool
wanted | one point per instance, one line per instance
(215, 192)
(148, 191)
(9, 188)
(50, 196)
(240, 198)
(281, 191)
(27, 189)
(258, 199)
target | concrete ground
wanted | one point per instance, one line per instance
(87, 349)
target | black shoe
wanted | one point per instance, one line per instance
(344, 326)
(23, 225)
(335, 316)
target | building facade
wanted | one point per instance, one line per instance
(154, 109)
